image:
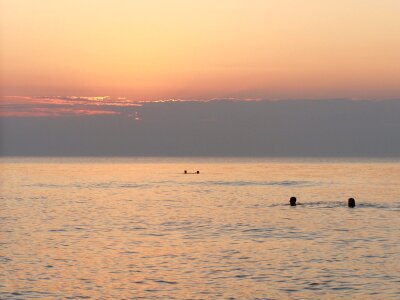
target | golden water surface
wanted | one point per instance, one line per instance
(121, 228)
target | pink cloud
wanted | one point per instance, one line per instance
(52, 106)
(56, 112)
(16, 106)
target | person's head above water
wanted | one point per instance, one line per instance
(292, 201)
(351, 202)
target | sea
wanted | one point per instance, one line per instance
(139, 228)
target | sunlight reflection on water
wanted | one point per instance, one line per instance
(89, 228)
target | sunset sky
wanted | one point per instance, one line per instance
(150, 50)
(181, 77)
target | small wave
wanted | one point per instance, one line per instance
(113, 185)
(45, 185)
(165, 281)
(98, 185)
(134, 185)
(253, 183)
(4, 259)
(57, 230)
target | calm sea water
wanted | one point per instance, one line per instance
(140, 228)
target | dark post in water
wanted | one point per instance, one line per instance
(351, 202)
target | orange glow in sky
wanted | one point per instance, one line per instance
(159, 49)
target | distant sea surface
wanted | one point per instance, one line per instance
(132, 228)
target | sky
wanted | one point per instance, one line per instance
(158, 49)
(285, 128)
(226, 77)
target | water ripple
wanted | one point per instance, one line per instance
(126, 231)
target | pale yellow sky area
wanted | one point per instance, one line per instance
(201, 49)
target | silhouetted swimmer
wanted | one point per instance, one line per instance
(185, 172)
(351, 202)
(292, 201)
(197, 172)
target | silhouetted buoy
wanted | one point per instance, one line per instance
(292, 201)
(351, 202)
